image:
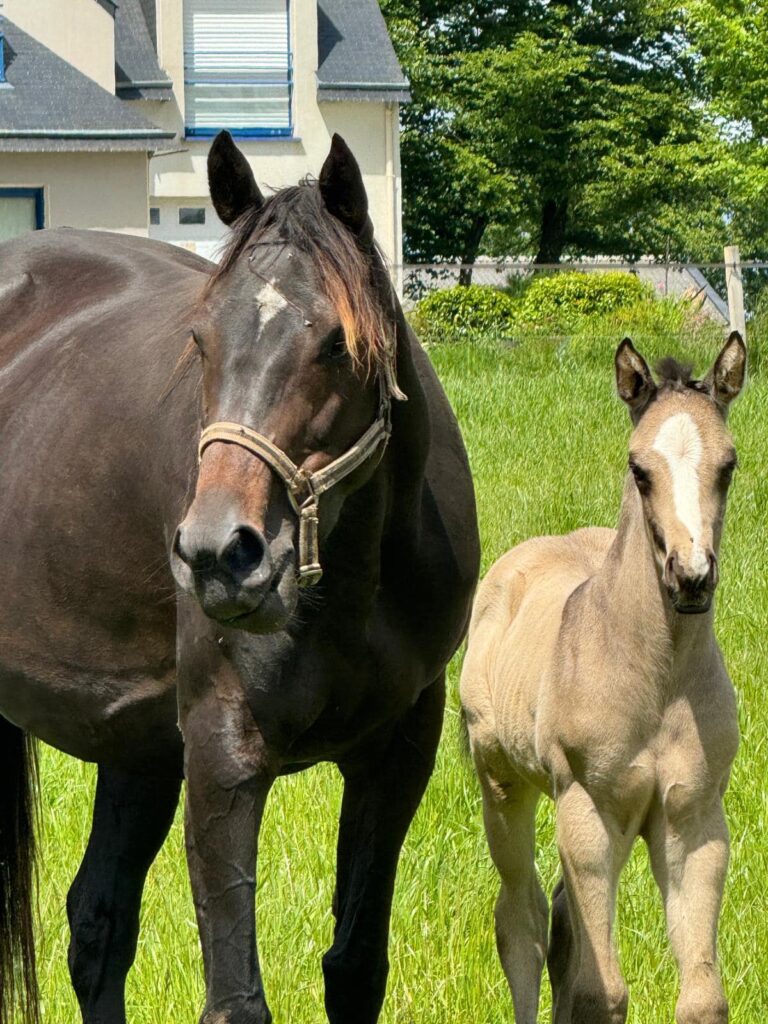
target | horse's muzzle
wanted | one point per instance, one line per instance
(239, 579)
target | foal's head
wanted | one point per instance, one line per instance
(682, 458)
(294, 332)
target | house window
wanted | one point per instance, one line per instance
(21, 210)
(191, 215)
(154, 215)
(237, 67)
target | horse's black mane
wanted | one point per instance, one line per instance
(296, 213)
(353, 276)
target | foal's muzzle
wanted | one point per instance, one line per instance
(690, 592)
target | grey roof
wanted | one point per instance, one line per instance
(356, 59)
(48, 99)
(137, 72)
(47, 144)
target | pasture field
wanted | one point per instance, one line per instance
(547, 440)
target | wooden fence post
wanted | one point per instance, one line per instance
(735, 289)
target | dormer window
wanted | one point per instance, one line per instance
(237, 67)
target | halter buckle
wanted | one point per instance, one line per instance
(310, 570)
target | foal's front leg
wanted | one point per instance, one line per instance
(380, 800)
(593, 850)
(689, 856)
(228, 780)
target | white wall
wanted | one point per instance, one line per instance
(84, 190)
(370, 129)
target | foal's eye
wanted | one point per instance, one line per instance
(334, 347)
(726, 472)
(642, 479)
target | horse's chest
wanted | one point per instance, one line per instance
(320, 699)
(675, 758)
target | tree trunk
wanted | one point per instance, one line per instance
(471, 246)
(554, 218)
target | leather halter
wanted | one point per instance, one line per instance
(304, 489)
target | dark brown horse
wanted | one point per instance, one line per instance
(304, 358)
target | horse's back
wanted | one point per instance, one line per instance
(93, 465)
(513, 639)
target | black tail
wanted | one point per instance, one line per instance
(18, 779)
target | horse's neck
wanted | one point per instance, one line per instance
(632, 594)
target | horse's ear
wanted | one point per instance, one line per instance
(634, 382)
(342, 188)
(231, 182)
(726, 378)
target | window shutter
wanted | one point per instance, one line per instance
(237, 66)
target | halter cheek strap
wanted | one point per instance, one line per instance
(304, 489)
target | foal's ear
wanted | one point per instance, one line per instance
(342, 188)
(726, 378)
(231, 182)
(634, 382)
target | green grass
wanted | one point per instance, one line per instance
(547, 441)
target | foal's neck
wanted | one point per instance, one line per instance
(635, 598)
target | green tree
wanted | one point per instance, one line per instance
(570, 127)
(731, 39)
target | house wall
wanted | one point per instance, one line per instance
(82, 32)
(370, 129)
(85, 190)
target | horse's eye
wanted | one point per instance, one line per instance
(642, 479)
(334, 347)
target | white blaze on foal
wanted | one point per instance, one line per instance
(679, 441)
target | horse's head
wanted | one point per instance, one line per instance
(682, 458)
(295, 333)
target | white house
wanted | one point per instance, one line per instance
(108, 107)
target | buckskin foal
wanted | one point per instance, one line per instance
(280, 441)
(593, 675)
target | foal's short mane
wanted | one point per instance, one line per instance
(354, 281)
(676, 376)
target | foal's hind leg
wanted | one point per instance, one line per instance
(689, 857)
(560, 960)
(509, 812)
(131, 818)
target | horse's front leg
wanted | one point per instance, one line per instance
(380, 800)
(228, 779)
(689, 856)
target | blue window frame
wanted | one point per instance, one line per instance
(21, 210)
(2, 56)
(238, 68)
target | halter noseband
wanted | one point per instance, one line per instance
(304, 489)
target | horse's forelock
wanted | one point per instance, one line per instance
(352, 279)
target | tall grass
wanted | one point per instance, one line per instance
(547, 441)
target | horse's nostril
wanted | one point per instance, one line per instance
(714, 570)
(180, 550)
(670, 569)
(243, 551)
